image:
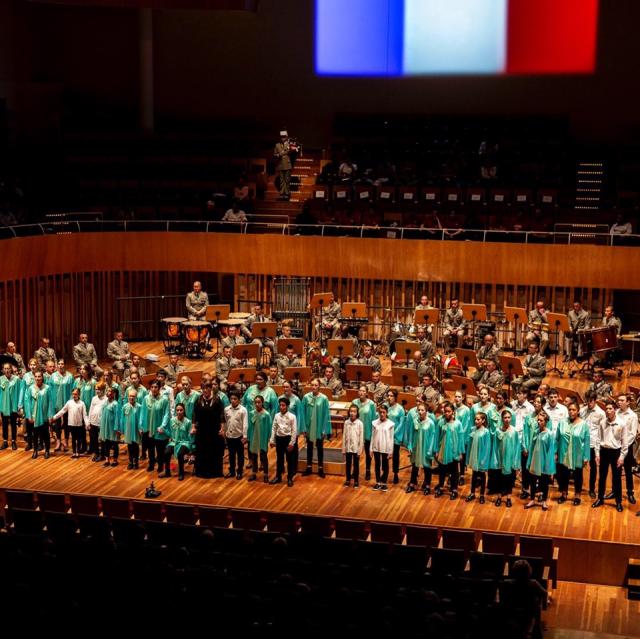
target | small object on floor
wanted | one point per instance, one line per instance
(151, 492)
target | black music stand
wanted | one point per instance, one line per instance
(428, 317)
(474, 313)
(245, 352)
(512, 367)
(407, 400)
(468, 358)
(352, 312)
(404, 377)
(242, 376)
(317, 303)
(560, 322)
(408, 348)
(517, 317)
(359, 373)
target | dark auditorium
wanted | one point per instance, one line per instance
(319, 316)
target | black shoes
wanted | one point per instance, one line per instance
(409, 489)
(499, 502)
(321, 473)
(631, 498)
(290, 483)
(276, 480)
(470, 497)
(307, 471)
(597, 503)
(576, 501)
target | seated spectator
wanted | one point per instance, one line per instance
(235, 214)
(524, 596)
(347, 171)
(621, 226)
(241, 191)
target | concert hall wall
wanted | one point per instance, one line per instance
(212, 66)
(55, 286)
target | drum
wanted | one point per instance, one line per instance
(484, 328)
(195, 336)
(172, 333)
(604, 339)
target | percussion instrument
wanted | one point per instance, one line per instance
(240, 316)
(172, 333)
(195, 336)
(484, 328)
(539, 326)
(598, 340)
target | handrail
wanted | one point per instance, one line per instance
(265, 224)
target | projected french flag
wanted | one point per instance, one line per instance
(421, 37)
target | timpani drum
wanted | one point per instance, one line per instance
(172, 333)
(195, 337)
(598, 340)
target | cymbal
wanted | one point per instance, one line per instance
(242, 316)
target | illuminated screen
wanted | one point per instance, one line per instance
(421, 37)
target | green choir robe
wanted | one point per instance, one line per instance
(28, 378)
(508, 450)
(465, 417)
(493, 419)
(424, 441)
(180, 437)
(317, 419)
(573, 444)
(397, 415)
(87, 391)
(530, 431)
(155, 416)
(296, 407)
(479, 449)
(38, 405)
(110, 422)
(141, 393)
(409, 420)
(541, 460)
(226, 401)
(11, 394)
(61, 387)
(449, 443)
(260, 427)
(130, 423)
(189, 402)
(367, 414)
(248, 400)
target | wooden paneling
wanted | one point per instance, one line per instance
(377, 259)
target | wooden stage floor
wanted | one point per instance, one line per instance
(595, 543)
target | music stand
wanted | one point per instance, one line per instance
(408, 348)
(296, 343)
(511, 367)
(569, 392)
(517, 317)
(359, 373)
(317, 303)
(404, 377)
(560, 322)
(340, 348)
(459, 383)
(468, 358)
(428, 316)
(354, 310)
(278, 389)
(474, 313)
(407, 400)
(243, 376)
(245, 352)
(262, 330)
(217, 312)
(297, 375)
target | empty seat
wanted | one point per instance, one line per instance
(410, 558)
(180, 514)
(115, 507)
(498, 543)
(390, 533)
(127, 531)
(446, 561)
(542, 547)
(52, 502)
(84, 505)
(459, 539)
(486, 564)
(247, 519)
(316, 525)
(60, 526)
(350, 529)
(26, 522)
(481, 591)
(20, 499)
(148, 510)
(282, 522)
(94, 527)
(211, 516)
(422, 536)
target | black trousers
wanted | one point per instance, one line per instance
(629, 463)
(450, 469)
(283, 453)
(236, 454)
(94, 444)
(540, 484)
(352, 462)
(61, 425)
(494, 483)
(10, 420)
(319, 444)
(525, 475)
(427, 475)
(109, 446)
(264, 462)
(396, 459)
(478, 480)
(367, 455)
(507, 483)
(156, 452)
(146, 444)
(463, 464)
(563, 473)
(609, 459)
(382, 467)
(134, 452)
(77, 434)
(28, 432)
(168, 453)
(593, 471)
(41, 436)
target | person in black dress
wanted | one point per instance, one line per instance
(208, 418)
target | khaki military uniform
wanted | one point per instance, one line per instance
(196, 304)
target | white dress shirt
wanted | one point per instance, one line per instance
(76, 413)
(596, 418)
(630, 420)
(613, 435)
(382, 436)
(353, 436)
(557, 414)
(236, 422)
(284, 426)
(95, 409)
(521, 411)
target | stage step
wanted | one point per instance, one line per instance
(333, 462)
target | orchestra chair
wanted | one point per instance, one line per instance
(52, 502)
(116, 507)
(147, 510)
(427, 536)
(180, 514)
